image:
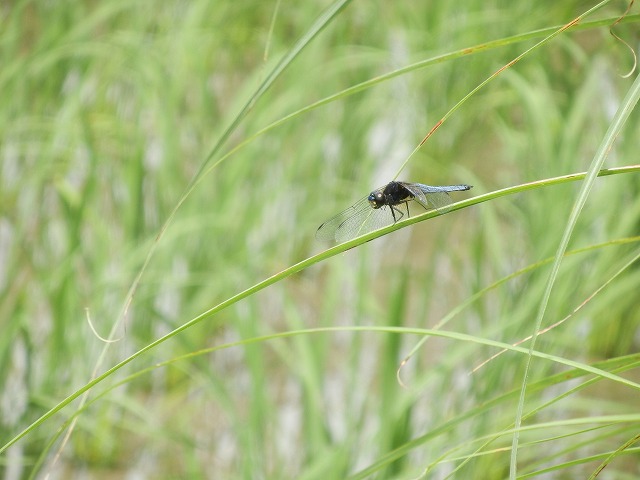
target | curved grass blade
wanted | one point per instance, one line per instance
(323, 20)
(297, 268)
(620, 118)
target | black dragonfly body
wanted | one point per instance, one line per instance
(382, 207)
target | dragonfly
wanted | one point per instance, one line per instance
(383, 207)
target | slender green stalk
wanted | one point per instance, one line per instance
(572, 391)
(495, 74)
(323, 20)
(548, 33)
(529, 268)
(315, 259)
(627, 106)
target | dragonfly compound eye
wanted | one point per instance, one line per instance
(376, 199)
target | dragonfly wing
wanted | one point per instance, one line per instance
(416, 192)
(438, 201)
(370, 220)
(431, 198)
(330, 229)
(356, 220)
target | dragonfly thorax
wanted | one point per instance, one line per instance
(392, 194)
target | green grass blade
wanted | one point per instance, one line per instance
(627, 106)
(305, 264)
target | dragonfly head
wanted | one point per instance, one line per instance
(376, 199)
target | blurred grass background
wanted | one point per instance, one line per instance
(110, 108)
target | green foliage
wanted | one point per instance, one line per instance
(163, 307)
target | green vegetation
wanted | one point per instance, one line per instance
(160, 162)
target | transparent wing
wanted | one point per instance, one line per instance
(328, 230)
(356, 220)
(431, 198)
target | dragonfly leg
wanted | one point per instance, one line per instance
(394, 210)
